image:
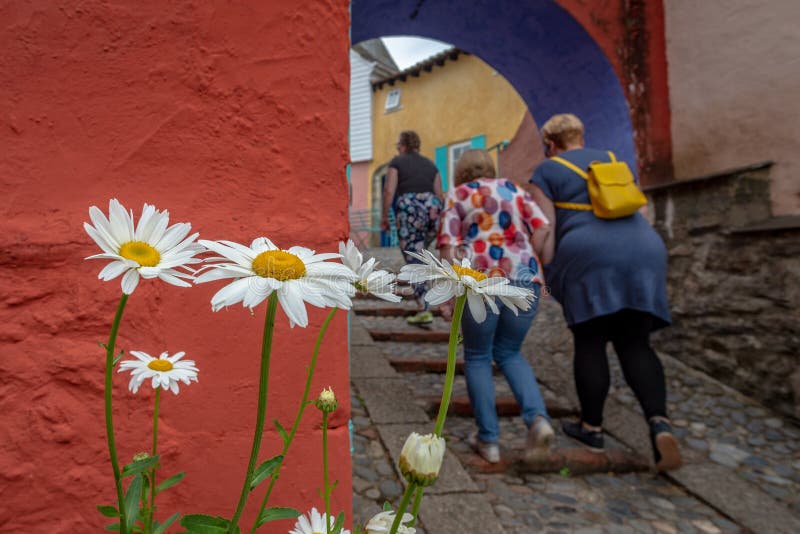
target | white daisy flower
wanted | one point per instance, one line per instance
(421, 458)
(314, 524)
(452, 280)
(166, 371)
(382, 523)
(297, 274)
(150, 250)
(380, 283)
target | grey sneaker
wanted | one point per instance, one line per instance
(489, 451)
(540, 438)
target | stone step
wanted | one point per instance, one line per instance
(413, 336)
(506, 407)
(390, 310)
(420, 365)
(564, 461)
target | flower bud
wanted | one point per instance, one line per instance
(141, 456)
(421, 458)
(382, 523)
(326, 402)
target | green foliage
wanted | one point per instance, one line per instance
(265, 470)
(140, 466)
(282, 432)
(131, 503)
(273, 514)
(387, 506)
(171, 481)
(160, 528)
(108, 511)
(206, 524)
(118, 358)
(339, 524)
(565, 472)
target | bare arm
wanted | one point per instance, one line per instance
(437, 186)
(544, 237)
(389, 188)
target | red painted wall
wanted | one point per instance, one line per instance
(631, 34)
(232, 115)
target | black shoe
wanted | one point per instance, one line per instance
(665, 446)
(593, 440)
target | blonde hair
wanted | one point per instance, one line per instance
(474, 163)
(562, 129)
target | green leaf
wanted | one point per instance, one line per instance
(273, 514)
(113, 527)
(387, 506)
(282, 432)
(171, 481)
(339, 524)
(165, 525)
(118, 358)
(103, 345)
(205, 524)
(140, 466)
(108, 511)
(132, 498)
(265, 470)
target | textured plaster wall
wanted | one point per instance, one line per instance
(233, 116)
(734, 77)
(452, 103)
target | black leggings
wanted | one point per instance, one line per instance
(629, 331)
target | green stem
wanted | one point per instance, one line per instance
(450, 376)
(401, 510)
(326, 489)
(112, 446)
(152, 513)
(415, 507)
(451, 364)
(298, 417)
(266, 348)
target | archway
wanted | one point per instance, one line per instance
(549, 58)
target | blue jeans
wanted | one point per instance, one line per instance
(499, 338)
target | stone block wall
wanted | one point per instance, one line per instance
(734, 283)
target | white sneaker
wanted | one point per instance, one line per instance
(540, 438)
(489, 451)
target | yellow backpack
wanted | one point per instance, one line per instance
(612, 189)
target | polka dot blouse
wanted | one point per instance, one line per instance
(494, 219)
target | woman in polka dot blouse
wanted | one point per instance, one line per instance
(492, 221)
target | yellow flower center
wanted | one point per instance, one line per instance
(140, 252)
(279, 265)
(160, 365)
(466, 271)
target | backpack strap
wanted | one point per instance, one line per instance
(571, 166)
(580, 172)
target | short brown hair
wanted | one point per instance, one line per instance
(474, 163)
(562, 129)
(410, 139)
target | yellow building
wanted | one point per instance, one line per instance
(454, 101)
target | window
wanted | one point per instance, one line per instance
(455, 152)
(393, 100)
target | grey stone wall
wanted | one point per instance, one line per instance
(734, 283)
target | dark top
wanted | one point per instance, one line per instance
(415, 173)
(600, 266)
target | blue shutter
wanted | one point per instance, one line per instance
(479, 141)
(441, 164)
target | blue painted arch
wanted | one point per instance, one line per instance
(549, 58)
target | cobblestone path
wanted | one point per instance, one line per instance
(742, 469)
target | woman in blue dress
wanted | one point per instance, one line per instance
(609, 275)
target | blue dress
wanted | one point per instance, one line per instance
(600, 266)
